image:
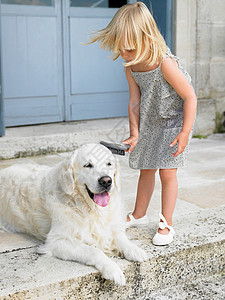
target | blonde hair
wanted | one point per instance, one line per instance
(133, 27)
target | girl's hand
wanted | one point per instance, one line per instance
(132, 141)
(182, 140)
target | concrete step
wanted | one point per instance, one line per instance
(210, 288)
(196, 253)
(60, 137)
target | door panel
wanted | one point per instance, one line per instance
(32, 64)
(92, 70)
(27, 47)
(31, 111)
(99, 105)
(98, 86)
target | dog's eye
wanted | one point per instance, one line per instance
(88, 165)
(109, 164)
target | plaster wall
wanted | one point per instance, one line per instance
(200, 42)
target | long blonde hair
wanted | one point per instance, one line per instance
(133, 27)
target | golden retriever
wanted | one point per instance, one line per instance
(74, 208)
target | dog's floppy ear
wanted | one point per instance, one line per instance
(117, 175)
(67, 180)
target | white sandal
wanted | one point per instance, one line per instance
(163, 239)
(136, 222)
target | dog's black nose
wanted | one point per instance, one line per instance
(105, 181)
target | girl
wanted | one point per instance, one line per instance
(162, 109)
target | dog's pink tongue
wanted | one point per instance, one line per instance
(102, 199)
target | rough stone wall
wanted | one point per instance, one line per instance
(200, 42)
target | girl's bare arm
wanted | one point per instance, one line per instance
(177, 80)
(133, 110)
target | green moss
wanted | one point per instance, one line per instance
(199, 136)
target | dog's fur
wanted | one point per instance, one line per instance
(53, 205)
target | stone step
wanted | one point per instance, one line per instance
(60, 137)
(210, 288)
(196, 253)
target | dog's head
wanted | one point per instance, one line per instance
(92, 171)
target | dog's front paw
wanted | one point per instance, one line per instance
(112, 272)
(135, 253)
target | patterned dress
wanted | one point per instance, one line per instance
(161, 119)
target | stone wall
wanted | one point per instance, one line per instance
(200, 42)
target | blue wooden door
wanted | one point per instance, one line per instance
(32, 62)
(95, 85)
(49, 75)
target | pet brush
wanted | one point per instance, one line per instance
(118, 149)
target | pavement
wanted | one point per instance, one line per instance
(199, 213)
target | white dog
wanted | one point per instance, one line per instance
(73, 207)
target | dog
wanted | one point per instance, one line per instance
(74, 208)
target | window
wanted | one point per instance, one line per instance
(98, 3)
(30, 2)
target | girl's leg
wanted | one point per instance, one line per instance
(145, 189)
(169, 195)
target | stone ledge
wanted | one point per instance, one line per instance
(209, 288)
(60, 137)
(197, 252)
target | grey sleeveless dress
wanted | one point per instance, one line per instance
(161, 119)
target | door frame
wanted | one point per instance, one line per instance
(2, 111)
